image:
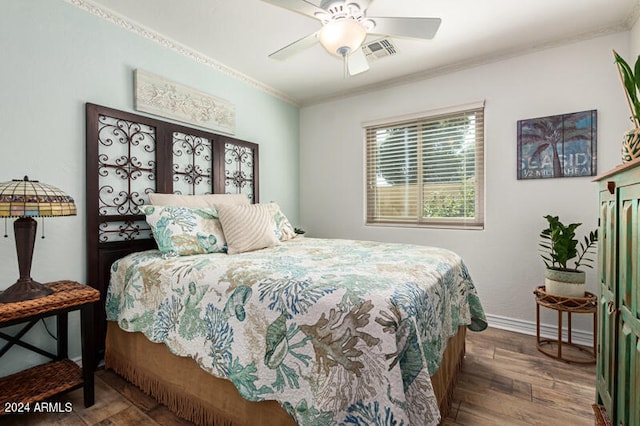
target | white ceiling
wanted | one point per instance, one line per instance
(240, 34)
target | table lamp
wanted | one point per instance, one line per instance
(26, 199)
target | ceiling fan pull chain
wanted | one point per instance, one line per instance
(344, 53)
(345, 66)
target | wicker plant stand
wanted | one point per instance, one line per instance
(570, 305)
(18, 391)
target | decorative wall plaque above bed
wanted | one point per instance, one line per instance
(166, 98)
(130, 156)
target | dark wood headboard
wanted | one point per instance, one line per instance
(130, 156)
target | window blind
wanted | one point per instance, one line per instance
(427, 170)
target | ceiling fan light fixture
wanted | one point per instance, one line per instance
(342, 35)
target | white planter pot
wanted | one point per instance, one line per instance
(565, 283)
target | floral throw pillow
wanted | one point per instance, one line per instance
(284, 231)
(183, 231)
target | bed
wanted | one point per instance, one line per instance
(300, 331)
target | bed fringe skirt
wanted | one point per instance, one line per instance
(446, 398)
(181, 399)
(184, 406)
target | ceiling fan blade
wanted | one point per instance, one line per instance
(299, 6)
(295, 47)
(357, 62)
(424, 28)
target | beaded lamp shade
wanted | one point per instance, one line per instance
(26, 199)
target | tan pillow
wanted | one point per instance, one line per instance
(204, 200)
(247, 227)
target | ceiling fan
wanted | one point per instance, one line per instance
(345, 26)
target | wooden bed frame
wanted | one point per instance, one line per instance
(128, 157)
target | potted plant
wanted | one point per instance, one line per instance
(631, 82)
(560, 247)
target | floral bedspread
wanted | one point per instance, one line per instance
(337, 331)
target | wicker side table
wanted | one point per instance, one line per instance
(19, 391)
(570, 305)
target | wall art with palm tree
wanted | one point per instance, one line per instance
(557, 146)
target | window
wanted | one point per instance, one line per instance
(427, 170)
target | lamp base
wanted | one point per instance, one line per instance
(24, 290)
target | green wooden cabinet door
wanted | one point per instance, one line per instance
(628, 385)
(607, 267)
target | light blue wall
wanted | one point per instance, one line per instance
(55, 58)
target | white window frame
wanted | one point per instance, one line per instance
(372, 206)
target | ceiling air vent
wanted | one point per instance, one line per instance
(379, 49)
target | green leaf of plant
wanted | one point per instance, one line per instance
(627, 75)
(630, 82)
(637, 72)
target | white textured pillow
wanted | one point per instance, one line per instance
(203, 200)
(247, 227)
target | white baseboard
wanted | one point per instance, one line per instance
(579, 337)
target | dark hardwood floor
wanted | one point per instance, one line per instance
(505, 380)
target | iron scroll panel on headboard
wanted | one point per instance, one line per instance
(130, 156)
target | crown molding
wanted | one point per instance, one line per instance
(142, 31)
(139, 29)
(496, 56)
(633, 15)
